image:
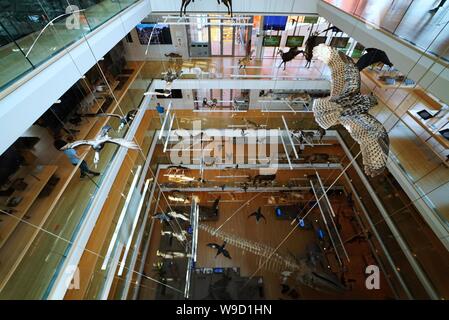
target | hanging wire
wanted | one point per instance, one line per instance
(289, 234)
(84, 249)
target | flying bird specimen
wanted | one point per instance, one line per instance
(258, 214)
(373, 56)
(100, 140)
(348, 107)
(220, 249)
(333, 29)
(173, 55)
(124, 120)
(166, 93)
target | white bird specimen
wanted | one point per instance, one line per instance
(100, 140)
(124, 120)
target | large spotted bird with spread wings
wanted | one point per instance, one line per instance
(348, 107)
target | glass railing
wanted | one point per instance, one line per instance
(52, 224)
(101, 270)
(415, 21)
(27, 38)
(425, 247)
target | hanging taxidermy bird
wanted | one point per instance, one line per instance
(258, 215)
(100, 140)
(373, 56)
(348, 107)
(220, 249)
(124, 120)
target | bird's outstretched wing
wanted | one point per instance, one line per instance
(123, 143)
(254, 214)
(104, 131)
(213, 246)
(109, 115)
(77, 144)
(342, 67)
(373, 140)
(263, 217)
(226, 254)
(373, 56)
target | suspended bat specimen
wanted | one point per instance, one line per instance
(348, 107)
(124, 120)
(100, 140)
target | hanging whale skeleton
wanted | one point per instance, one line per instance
(272, 261)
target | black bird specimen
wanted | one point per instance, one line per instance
(258, 214)
(288, 56)
(333, 29)
(220, 249)
(373, 56)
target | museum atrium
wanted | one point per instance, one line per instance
(244, 150)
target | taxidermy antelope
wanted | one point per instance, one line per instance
(288, 56)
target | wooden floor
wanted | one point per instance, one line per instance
(272, 233)
(30, 252)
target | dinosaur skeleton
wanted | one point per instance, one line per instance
(278, 263)
(348, 107)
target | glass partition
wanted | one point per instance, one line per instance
(33, 32)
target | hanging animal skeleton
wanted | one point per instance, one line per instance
(288, 56)
(185, 4)
(100, 140)
(305, 271)
(348, 107)
(124, 120)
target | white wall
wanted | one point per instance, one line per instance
(136, 51)
(24, 104)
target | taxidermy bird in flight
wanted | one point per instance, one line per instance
(258, 214)
(373, 56)
(124, 120)
(220, 249)
(348, 107)
(100, 140)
